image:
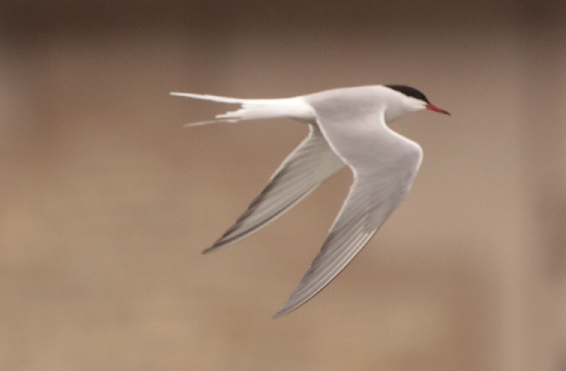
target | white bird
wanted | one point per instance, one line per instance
(348, 126)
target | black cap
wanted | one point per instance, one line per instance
(408, 91)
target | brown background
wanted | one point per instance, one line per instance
(106, 201)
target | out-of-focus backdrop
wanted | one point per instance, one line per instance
(106, 201)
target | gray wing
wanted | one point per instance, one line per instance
(384, 166)
(310, 164)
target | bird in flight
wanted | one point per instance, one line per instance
(348, 127)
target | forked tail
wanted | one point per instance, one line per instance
(255, 109)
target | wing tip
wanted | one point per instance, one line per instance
(212, 248)
(283, 311)
(278, 315)
(220, 244)
(208, 250)
(290, 305)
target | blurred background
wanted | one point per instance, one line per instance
(106, 201)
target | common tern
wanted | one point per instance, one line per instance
(348, 127)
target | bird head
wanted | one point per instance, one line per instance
(404, 100)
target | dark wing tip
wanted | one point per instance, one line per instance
(284, 311)
(278, 315)
(218, 245)
(209, 250)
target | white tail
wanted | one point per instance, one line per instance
(256, 109)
